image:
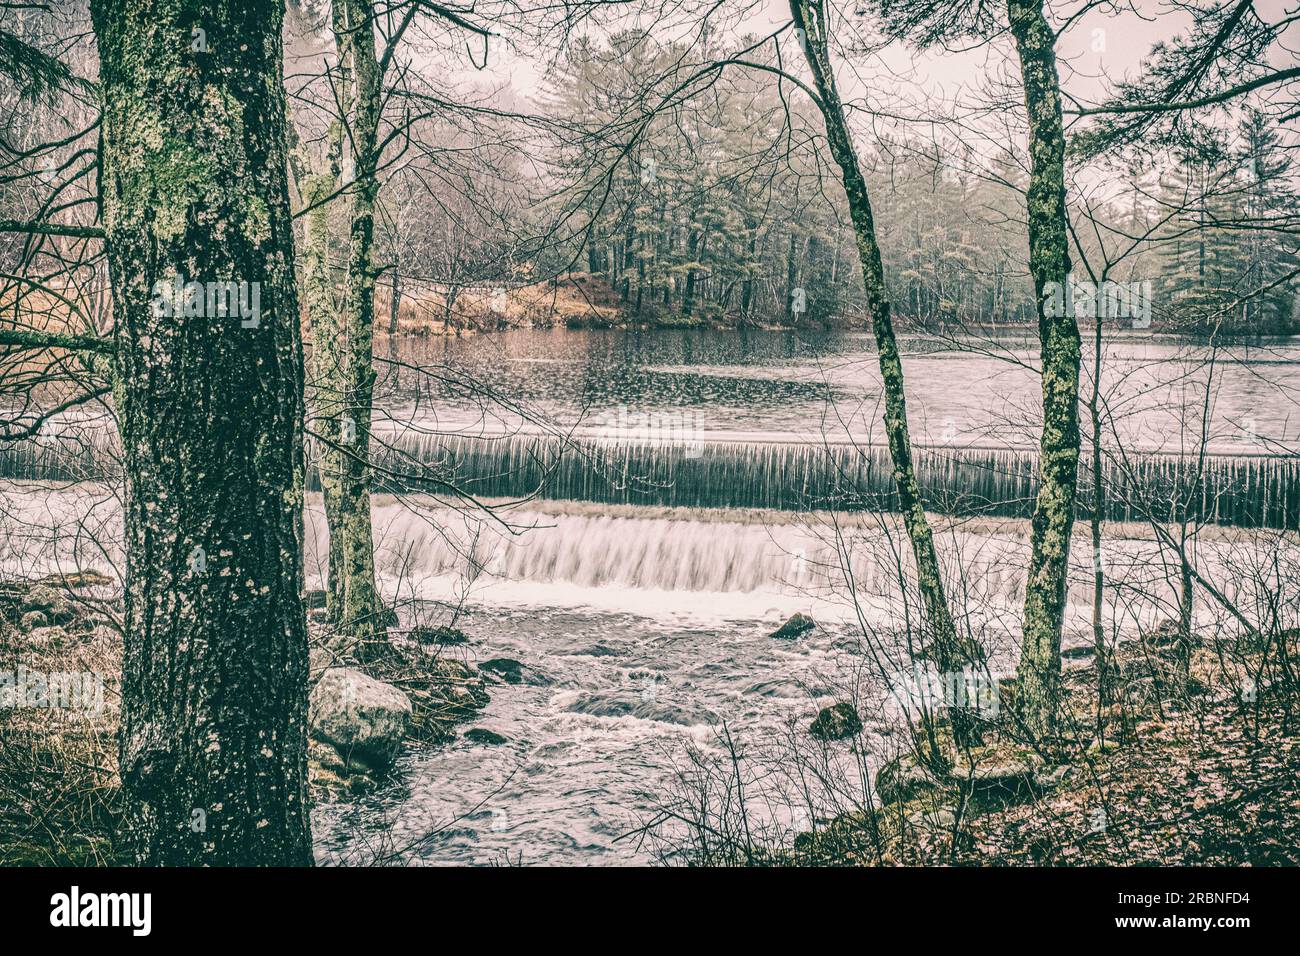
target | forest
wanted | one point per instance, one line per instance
(746, 433)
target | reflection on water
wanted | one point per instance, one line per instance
(777, 384)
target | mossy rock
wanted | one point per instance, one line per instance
(441, 635)
(902, 779)
(1002, 784)
(836, 722)
(797, 626)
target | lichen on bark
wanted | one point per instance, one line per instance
(1039, 673)
(214, 683)
(951, 650)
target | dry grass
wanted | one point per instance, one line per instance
(577, 300)
(58, 765)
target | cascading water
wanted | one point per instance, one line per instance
(1258, 491)
(639, 581)
(1253, 492)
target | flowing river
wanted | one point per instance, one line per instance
(647, 507)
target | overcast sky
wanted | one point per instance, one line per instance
(1098, 46)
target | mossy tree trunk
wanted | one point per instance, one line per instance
(214, 679)
(327, 365)
(950, 651)
(1039, 673)
(343, 337)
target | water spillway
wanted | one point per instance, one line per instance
(1258, 491)
(1240, 490)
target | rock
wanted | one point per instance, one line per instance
(359, 716)
(836, 722)
(1047, 779)
(901, 779)
(319, 660)
(423, 634)
(1004, 783)
(481, 735)
(1167, 635)
(797, 626)
(505, 669)
(940, 818)
(54, 603)
(1102, 747)
(329, 773)
(32, 620)
(326, 756)
(455, 690)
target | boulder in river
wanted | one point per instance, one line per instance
(510, 671)
(836, 722)
(481, 735)
(455, 691)
(359, 716)
(797, 626)
(442, 635)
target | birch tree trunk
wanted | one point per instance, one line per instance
(950, 652)
(214, 678)
(1039, 673)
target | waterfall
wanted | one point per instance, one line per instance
(1259, 491)
(1249, 491)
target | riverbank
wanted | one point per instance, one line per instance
(1180, 769)
(575, 301)
(60, 667)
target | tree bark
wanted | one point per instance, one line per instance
(394, 300)
(1098, 514)
(1039, 673)
(326, 357)
(951, 653)
(214, 675)
(361, 614)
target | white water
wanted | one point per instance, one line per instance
(643, 630)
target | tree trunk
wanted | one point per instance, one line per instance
(361, 612)
(951, 653)
(688, 290)
(394, 300)
(747, 288)
(214, 675)
(1098, 513)
(1038, 693)
(326, 359)
(790, 276)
